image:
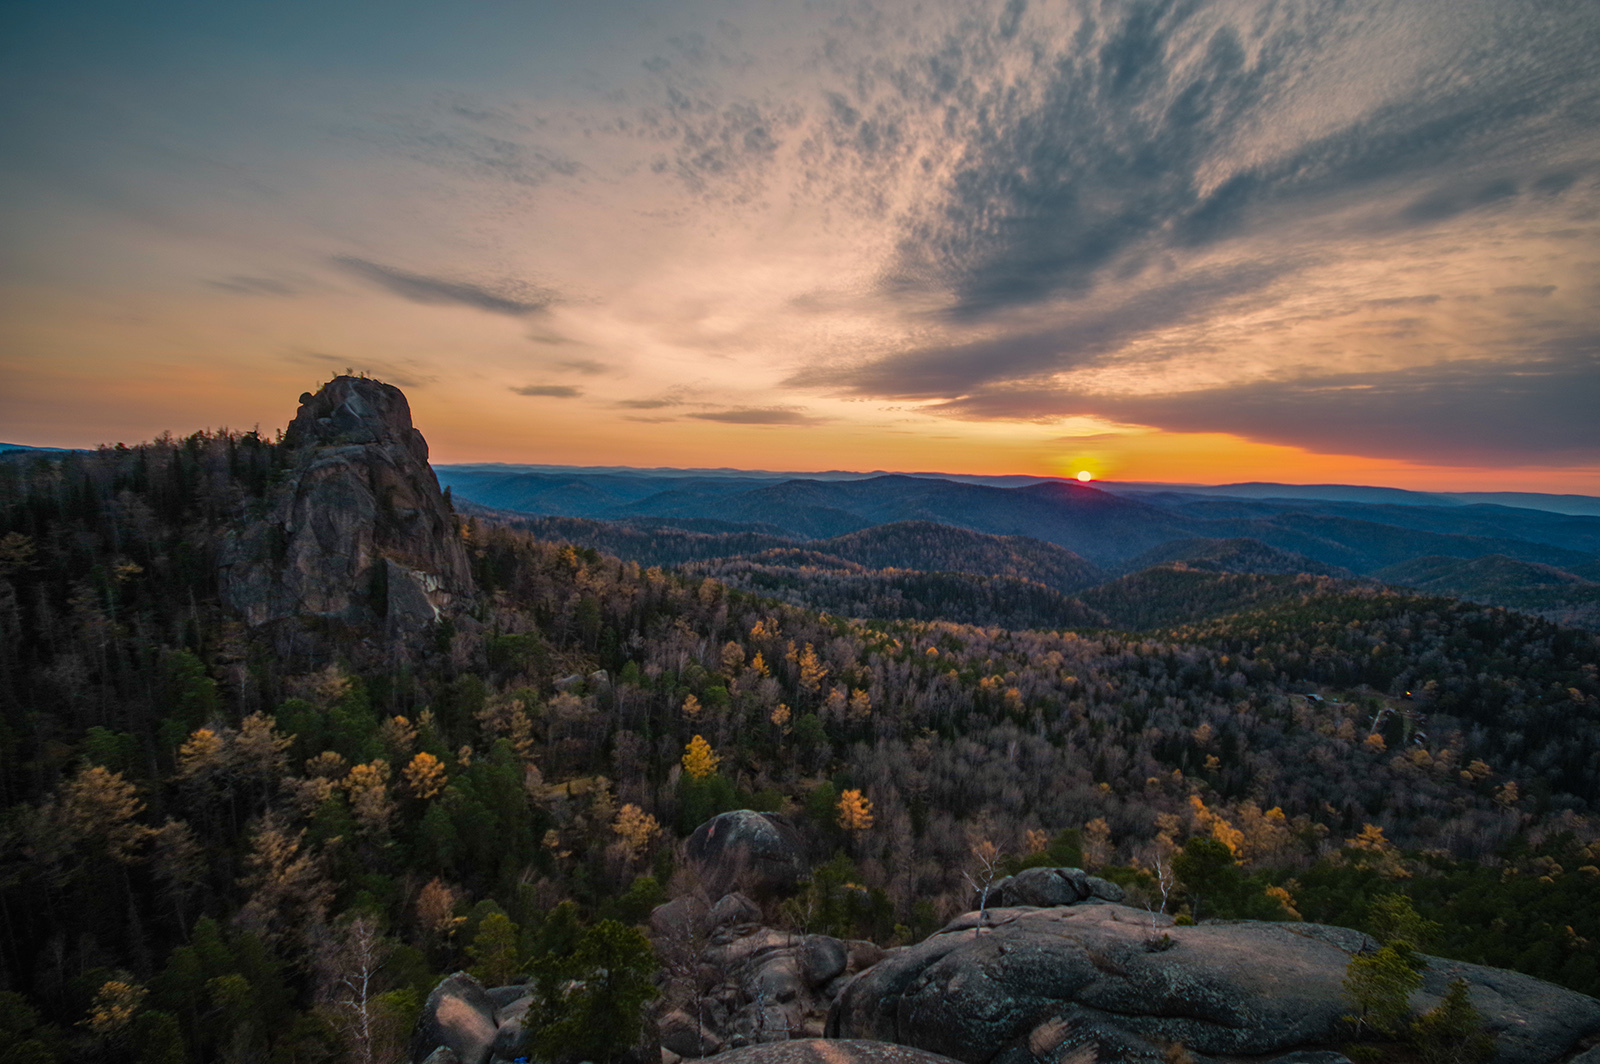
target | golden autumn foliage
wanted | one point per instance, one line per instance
(200, 754)
(1285, 899)
(327, 765)
(855, 811)
(398, 735)
(812, 671)
(699, 760)
(425, 776)
(260, 747)
(436, 910)
(1370, 840)
(288, 893)
(115, 1005)
(635, 828)
(368, 788)
(1213, 824)
(98, 805)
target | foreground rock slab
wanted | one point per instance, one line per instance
(737, 983)
(1041, 983)
(827, 1051)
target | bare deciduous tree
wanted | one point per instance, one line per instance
(349, 991)
(986, 868)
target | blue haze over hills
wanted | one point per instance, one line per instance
(1533, 552)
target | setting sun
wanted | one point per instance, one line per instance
(1084, 476)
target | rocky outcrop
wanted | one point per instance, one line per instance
(1040, 983)
(459, 1016)
(358, 531)
(1047, 887)
(735, 983)
(757, 853)
(818, 1051)
(464, 1023)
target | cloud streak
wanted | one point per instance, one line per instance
(1455, 413)
(550, 391)
(758, 416)
(420, 288)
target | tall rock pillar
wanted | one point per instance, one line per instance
(359, 531)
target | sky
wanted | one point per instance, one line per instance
(1316, 241)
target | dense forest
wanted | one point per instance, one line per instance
(208, 826)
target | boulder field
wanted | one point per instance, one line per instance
(1035, 983)
(1060, 973)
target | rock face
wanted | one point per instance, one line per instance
(462, 1023)
(735, 983)
(359, 531)
(459, 1016)
(1047, 887)
(1039, 983)
(757, 853)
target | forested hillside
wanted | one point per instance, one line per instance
(204, 817)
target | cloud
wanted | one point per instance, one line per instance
(1536, 411)
(253, 286)
(648, 404)
(1078, 338)
(1538, 290)
(550, 391)
(478, 143)
(1074, 151)
(586, 366)
(419, 288)
(772, 415)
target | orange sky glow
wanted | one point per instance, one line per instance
(954, 236)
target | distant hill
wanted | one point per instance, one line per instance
(805, 578)
(1496, 580)
(1240, 555)
(1064, 535)
(648, 542)
(1169, 596)
(1366, 531)
(1586, 505)
(929, 546)
(920, 545)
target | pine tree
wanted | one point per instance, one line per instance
(494, 949)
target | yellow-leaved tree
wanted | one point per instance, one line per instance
(855, 811)
(425, 776)
(699, 760)
(812, 670)
(636, 828)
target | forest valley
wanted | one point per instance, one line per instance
(222, 843)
